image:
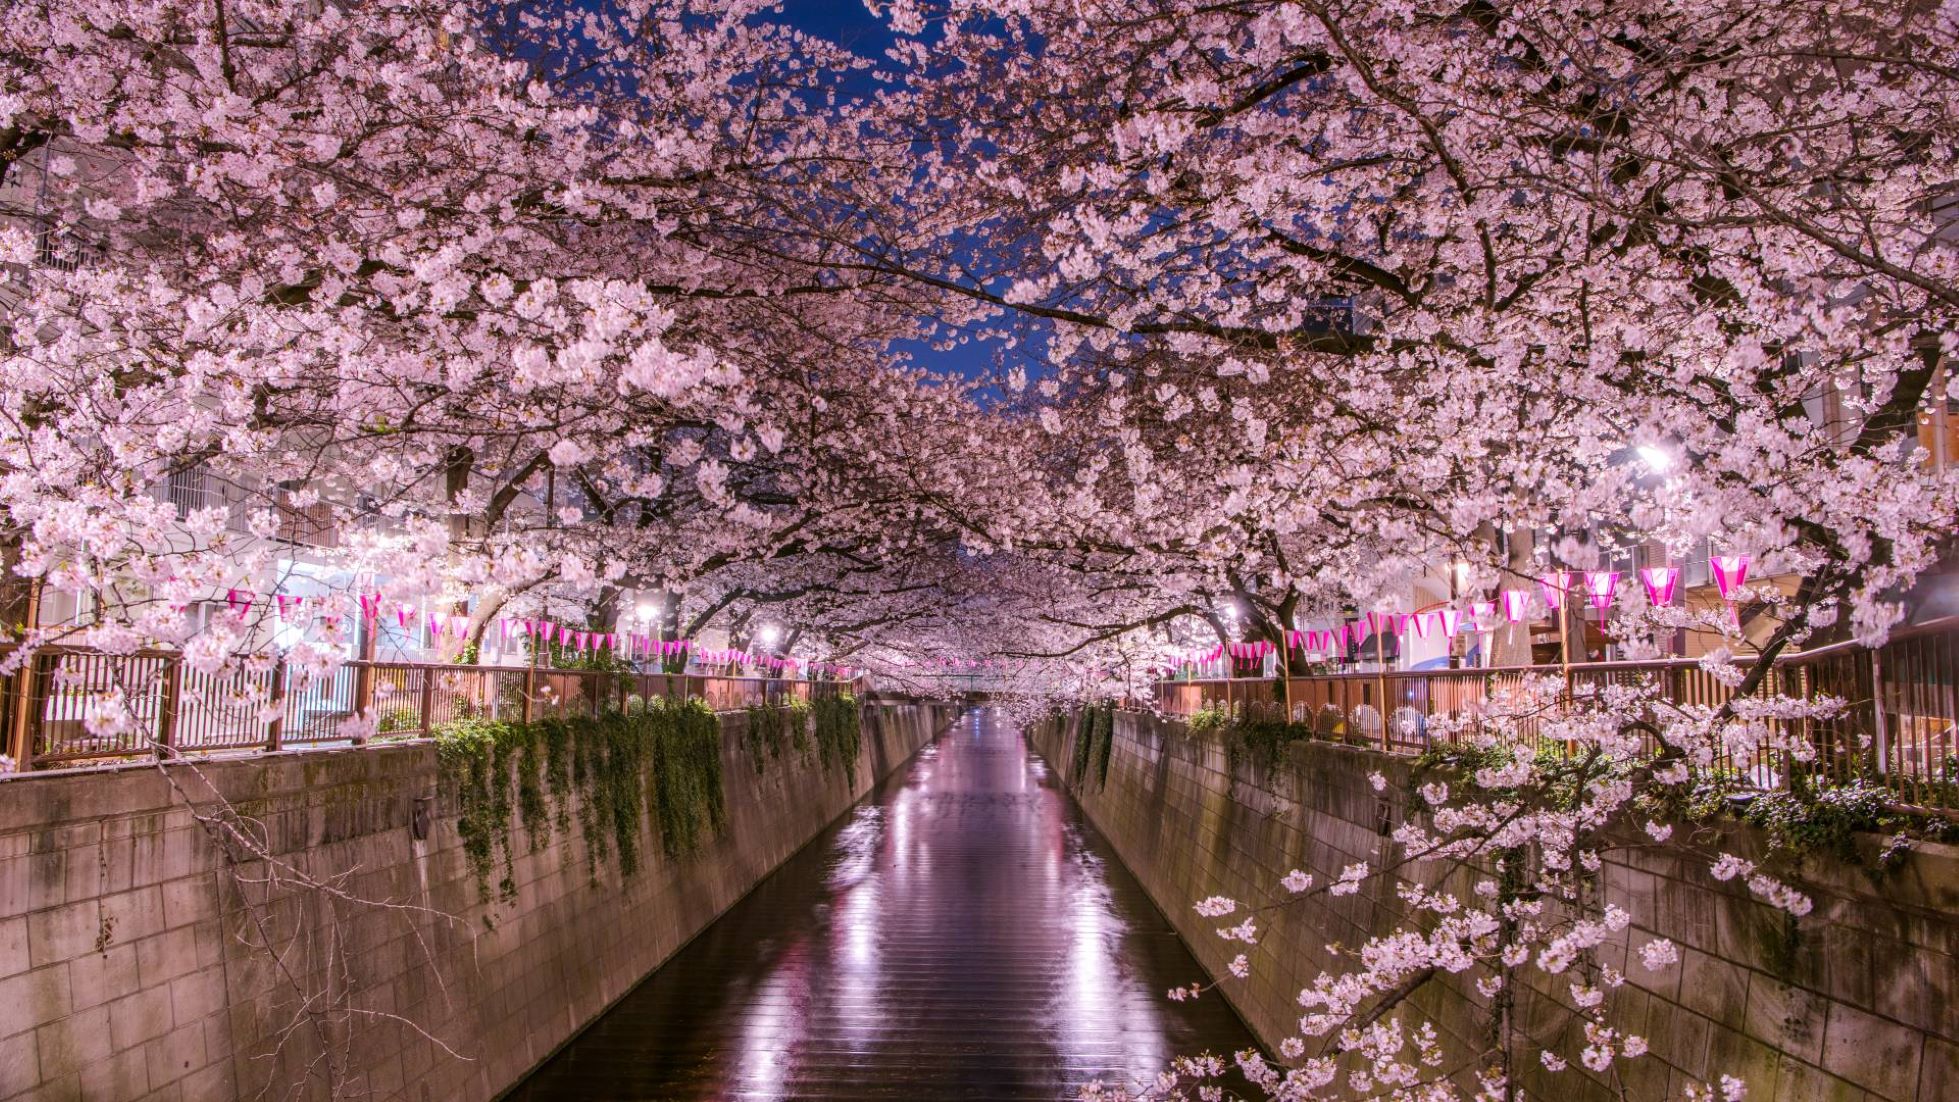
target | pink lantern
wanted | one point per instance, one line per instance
(1377, 622)
(1556, 586)
(1421, 623)
(1516, 605)
(1401, 621)
(405, 615)
(1660, 582)
(1601, 586)
(1482, 610)
(1450, 618)
(1730, 573)
(370, 605)
(1357, 631)
(437, 624)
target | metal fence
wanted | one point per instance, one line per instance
(69, 706)
(1899, 725)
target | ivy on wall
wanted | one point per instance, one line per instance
(1094, 743)
(839, 731)
(771, 731)
(1254, 739)
(664, 754)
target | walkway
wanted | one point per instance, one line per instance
(963, 934)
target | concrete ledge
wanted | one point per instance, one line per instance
(127, 960)
(1856, 1008)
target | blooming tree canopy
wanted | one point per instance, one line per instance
(1293, 301)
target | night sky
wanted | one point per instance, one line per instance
(851, 25)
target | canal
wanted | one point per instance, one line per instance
(963, 933)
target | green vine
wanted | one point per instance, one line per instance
(1094, 743)
(1083, 747)
(504, 773)
(839, 732)
(1105, 742)
(1213, 717)
(1797, 823)
(770, 731)
(687, 775)
(1262, 741)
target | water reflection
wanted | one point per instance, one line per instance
(962, 934)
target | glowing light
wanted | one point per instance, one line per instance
(1657, 459)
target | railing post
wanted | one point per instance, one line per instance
(364, 673)
(276, 730)
(530, 689)
(1880, 726)
(173, 695)
(20, 738)
(1381, 687)
(428, 699)
(1285, 669)
(20, 741)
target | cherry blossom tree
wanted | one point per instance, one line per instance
(1423, 273)
(538, 305)
(510, 286)
(1314, 298)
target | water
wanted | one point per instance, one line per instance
(962, 934)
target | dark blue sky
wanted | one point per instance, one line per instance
(851, 25)
(846, 22)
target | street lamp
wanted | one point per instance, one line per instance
(1657, 459)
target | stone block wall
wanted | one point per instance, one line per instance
(132, 962)
(1857, 1007)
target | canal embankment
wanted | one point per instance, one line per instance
(1854, 1005)
(961, 934)
(381, 920)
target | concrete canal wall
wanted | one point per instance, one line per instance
(132, 966)
(1857, 1008)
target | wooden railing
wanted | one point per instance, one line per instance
(69, 706)
(1899, 725)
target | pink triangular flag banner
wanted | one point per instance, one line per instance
(1730, 573)
(1555, 585)
(1660, 582)
(1516, 605)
